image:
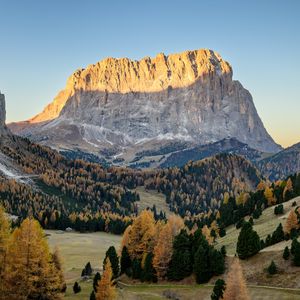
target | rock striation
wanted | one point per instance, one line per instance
(122, 106)
(3, 128)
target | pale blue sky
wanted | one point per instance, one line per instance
(43, 42)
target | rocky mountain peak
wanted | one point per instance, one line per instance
(148, 75)
(119, 107)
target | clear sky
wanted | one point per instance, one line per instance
(43, 42)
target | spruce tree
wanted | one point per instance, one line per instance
(293, 246)
(181, 261)
(272, 269)
(248, 242)
(218, 290)
(296, 259)
(286, 253)
(223, 250)
(93, 295)
(96, 280)
(125, 262)
(136, 269)
(148, 273)
(76, 288)
(111, 253)
(201, 265)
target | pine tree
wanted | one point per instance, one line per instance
(248, 242)
(296, 254)
(218, 290)
(294, 245)
(201, 265)
(235, 283)
(125, 261)
(32, 271)
(148, 273)
(111, 253)
(286, 253)
(181, 262)
(272, 269)
(136, 269)
(96, 280)
(106, 289)
(76, 288)
(223, 250)
(93, 295)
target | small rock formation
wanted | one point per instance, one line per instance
(122, 106)
(3, 128)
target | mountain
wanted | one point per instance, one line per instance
(119, 107)
(282, 164)
(231, 146)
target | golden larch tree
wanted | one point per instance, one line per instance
(106, 289)
(235, 283)
(163, 251)
(31, 271)
(291, 222)
(4, 238)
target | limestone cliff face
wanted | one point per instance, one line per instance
(3, 128)
(125, 104)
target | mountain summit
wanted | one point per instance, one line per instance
(118, 107)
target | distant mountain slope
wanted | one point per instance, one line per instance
(232, 146)
(123, 106)
(282, 164)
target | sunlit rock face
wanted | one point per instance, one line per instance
(129, 106)
(3, 128)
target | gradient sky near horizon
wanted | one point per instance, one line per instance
(44, 42)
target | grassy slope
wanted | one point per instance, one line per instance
(79, 248)
(149, 198)
(265, 225)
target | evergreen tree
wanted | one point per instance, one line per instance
(148, 273)
(111, 253)
(125, 261)
(181, 261)
(296, 259)
(272, 269)
(96, 280)
(76, 288)
(286, 253)
(218, 290)
(93, 295)
(294, 245)
(201, 265)
(278, 235)
(87, 271)
(216, 260)
(136, 269)
(248, 242)
(223, 250)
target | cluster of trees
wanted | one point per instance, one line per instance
(155, 250)
(55, 212)
(28, 270)
(200, 186)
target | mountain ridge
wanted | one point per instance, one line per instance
(124, 107)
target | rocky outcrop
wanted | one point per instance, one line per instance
(3, 128)
(121, 106)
